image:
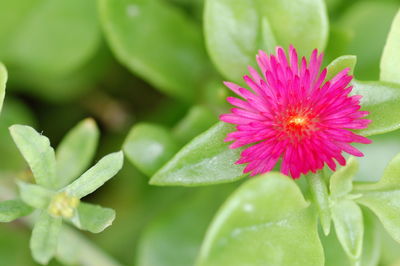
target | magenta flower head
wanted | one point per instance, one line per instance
(292, 115)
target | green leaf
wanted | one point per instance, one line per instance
(341, 182)
(76, 151)
(265, 222)
(35, 195)
(168, 36)
(13, 209)
(38, 153)
(236, 30)
(44, 240)
(383, 198)
(339, 64)
(372, 246)
(319, 192)
(382, 100)
(93, 218)
(348, 220)
(196, 121)
(149, 146)
(33, 23)
(390, 60)
(205, 160)
(335, 255)
(3, 80)
(171, 239)
(96, 176)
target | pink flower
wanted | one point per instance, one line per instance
(293, 115)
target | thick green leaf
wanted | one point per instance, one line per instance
(33, 23)
(196, 121)
(335, 255)
(35, 195)
(348, 220)
(236, 30)
(319, 193)
(340, 63)
(383, 198)
(149, 146)
(265, 222)
(3, 80)
(38, 154)
(157, 42)
(44, 239)
(13, 209)
(172, 239)
(382, 100)
(390, 60)
(341, 182)
(76, 151)
(93, 218)
(205, 160)
(372, 246)
(96, 176)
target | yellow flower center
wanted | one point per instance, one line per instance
(63, 205)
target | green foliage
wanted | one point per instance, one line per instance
(141, 31)
(205, 160)
(390, 60)
(149, 146)
(349, 226)
(38, 153)
(45, 237)
(319, 193)
(13, 209)
(381, 100)
(236, 30)
(45, 41)
(172, 239)
(93, 218)
(383, 198)
(54, 200)
(35, 196)
(54, 51)
(249, 217)
(340, 63)
(197, 120)
(77, 149)
(96, 176)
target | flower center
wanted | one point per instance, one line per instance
(63, 205)
(297, 125)
(297, 121)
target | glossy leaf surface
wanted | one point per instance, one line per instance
(250, 230)
(236, 30)
(205, 160)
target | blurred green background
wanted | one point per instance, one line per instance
(72, 59)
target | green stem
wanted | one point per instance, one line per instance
(319, 193)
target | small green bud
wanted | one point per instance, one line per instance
(63, 205)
